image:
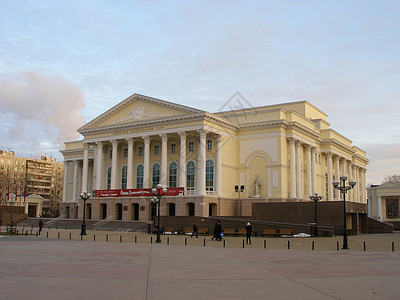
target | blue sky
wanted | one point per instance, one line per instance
(79, 58)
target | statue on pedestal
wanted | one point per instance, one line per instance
(256, 184)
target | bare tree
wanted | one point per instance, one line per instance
(392, 178)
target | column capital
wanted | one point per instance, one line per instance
(291, 140)
(298, 143)
(146, 139)
(164, 137)
(218, 138)
(130, 141)
(99, 144)
(202, 133)
(114, 143)
(182, 135)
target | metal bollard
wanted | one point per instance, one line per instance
(94, 237)
(312, 245)
(265, 244)
(70, 235)
(47, 235)
(106, 237)
(204, 244)
(135, 239)
(151, 240)
(288, 245)
(120, 238)
(337, 245)
(392, 246)
(58, 235)
(243, 243)
(168, 240)
(185, 241)
(365, 248)
(224, 243)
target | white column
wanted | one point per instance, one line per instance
(337, 177)
(182, 160)
(90, 176)
(309, 180)
(370, 208)
(379, 205)
(363, 185)
(292, 169)
(330, 176)
(344, 167)
(357, 188)
(129, 178)
(85, 167)
(299, 194)
(146, 167)
(201, 170)
(218, 171)
(65, 188)
(114, 165)
(313, 170)
(164, 160)
(75, 184)
(99, 165)
(350, 193)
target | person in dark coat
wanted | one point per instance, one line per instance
(219, 231)
(195, 231)
(215, 235)
(249, 229)
(40, 225)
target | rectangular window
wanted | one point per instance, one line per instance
(209, 145)
(156, 149)
(191, 146)
(392, 208)
(125, 152)
(140, 150)
(110, 154)
(173, 148)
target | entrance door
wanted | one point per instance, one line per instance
(135, 211)
(118, 208)
(32, 211)
(103, 211)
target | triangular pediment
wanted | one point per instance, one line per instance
(138, 109)
(390, 184)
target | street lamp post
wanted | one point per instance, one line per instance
(84, 196)
(237, 190)
(315, 198)
(343, 188)
(159, 192)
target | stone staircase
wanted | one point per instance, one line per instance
(108, 225)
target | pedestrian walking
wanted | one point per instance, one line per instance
(219, 231)
(249, 229)
(40, 225)
(195, 231)
(215, 235)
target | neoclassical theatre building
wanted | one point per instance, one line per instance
(278, 153)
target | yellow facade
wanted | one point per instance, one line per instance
(280, 153)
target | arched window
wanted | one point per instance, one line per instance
(172, 174)
(139, 177)
(190, 176)
(109, 178)
(124, 175)
(209, 175)
(156, 174)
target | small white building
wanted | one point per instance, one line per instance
(383, 202)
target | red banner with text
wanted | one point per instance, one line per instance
(178, 191)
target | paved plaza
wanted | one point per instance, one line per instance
(128, 266)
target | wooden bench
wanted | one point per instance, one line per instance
(234, 231)
(277, 232)
(229, 231)
(189, 230)
(169, 229)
